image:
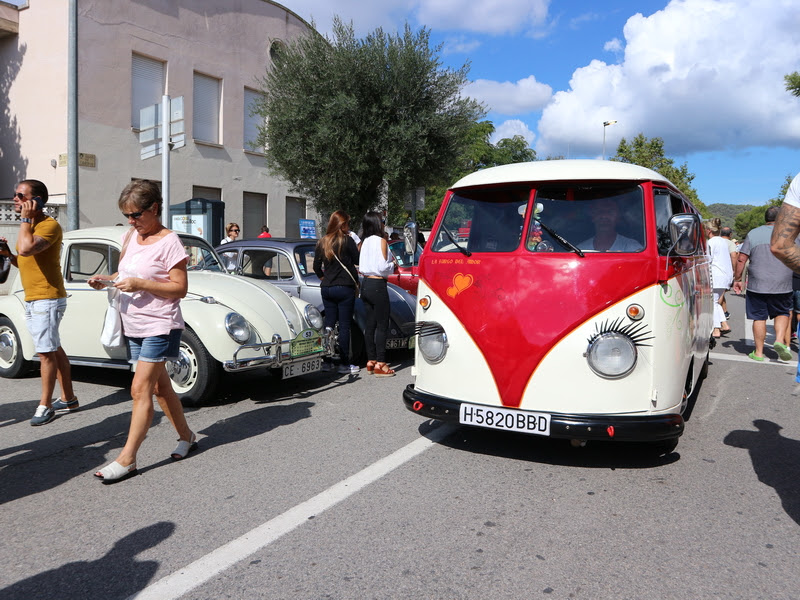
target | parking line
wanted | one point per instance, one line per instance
(206, 568)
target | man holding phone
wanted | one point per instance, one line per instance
(38, 261)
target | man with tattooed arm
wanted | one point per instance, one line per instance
(38, 261)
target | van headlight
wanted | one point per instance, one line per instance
(237, 327)
(314, 317)
(611, 355)
(431, 341)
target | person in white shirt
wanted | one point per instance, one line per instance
(376, 263)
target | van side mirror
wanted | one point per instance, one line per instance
(684, 230)
(410, 238)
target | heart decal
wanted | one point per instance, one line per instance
(460, 283)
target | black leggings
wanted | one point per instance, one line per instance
(376, 301)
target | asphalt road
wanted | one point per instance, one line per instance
(325, 487)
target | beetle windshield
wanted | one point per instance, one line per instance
(304, 257)
(595, 217)
(201, 255)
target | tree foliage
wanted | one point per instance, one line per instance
(344, 115)
(477, 153)
(650, 153)
(754, 217)
(793, 83)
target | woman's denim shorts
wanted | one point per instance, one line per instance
(155, 349)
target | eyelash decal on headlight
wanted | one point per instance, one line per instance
(637, 332)
(428, 328)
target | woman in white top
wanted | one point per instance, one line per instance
(376, 264)
(231, 233)
(721, 272)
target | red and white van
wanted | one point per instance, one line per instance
(577, 304)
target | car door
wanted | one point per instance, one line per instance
(86, 307)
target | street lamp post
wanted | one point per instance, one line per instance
(605, 124)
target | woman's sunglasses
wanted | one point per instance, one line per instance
(136, 215)
(233, 231)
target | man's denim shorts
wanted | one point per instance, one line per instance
(155, 349)
(43, 318)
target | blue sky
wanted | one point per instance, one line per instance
(704, 75)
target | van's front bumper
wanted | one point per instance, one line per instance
(627, 428)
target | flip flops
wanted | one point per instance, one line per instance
(783, 351)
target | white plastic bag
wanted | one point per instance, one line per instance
(111, 336)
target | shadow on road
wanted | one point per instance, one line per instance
(776, 461)
(116, 575)
(520, 446)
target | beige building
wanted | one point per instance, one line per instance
(130, 53)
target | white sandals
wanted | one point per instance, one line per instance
(183, 448)
(116, 472)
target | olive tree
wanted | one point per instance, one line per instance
(344, 117)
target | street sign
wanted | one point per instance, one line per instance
(150, 132)
(419, 195)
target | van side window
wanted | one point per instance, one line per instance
(666, 204)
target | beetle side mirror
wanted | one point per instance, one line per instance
(410, 238)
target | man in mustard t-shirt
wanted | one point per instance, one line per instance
(38, 260)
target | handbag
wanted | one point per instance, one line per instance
(112, 336)
(346, 270)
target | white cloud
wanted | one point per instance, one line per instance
(510, 128)
(497, 17)
(701, 74)
(460, 45)
(507, 98)
(614, 45)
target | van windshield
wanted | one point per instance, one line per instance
(594, 217)
(483, 221)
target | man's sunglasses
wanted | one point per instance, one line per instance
(19, 195)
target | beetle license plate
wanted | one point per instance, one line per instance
(394, 343)
(503, 418)
(302, 368)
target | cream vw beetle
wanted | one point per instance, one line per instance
(232, 323)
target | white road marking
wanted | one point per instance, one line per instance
(203, 569)
(745, 358)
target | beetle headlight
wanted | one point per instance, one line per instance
(612, 355)
(314, 317)
(237, 327)
(431, 341)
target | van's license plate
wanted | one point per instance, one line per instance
(302, 368)
(502, 418)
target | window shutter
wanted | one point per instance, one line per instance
(205, 120)
(147, 85)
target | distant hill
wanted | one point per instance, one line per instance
(728, 212)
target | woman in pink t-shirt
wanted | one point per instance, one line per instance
(152, 279)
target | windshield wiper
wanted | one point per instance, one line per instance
(463, 251)
(567, 244)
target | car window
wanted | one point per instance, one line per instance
(595, 217)
(482, 221)
(282, 267)
(200, 255)
(403, 259)
(87, 260)
(304, 257)
(259, 264)
(229, 258)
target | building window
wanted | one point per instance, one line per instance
(147, 85)
(208, 193)
(252, 121)
(254, 212)
(295, 210)
(205, 119)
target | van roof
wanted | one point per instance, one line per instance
(560, 170)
